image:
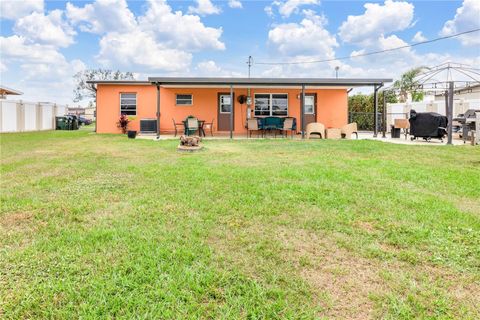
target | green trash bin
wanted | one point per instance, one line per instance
(60, 123)
(74, 123)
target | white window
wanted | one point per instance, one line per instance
(225, 103)
(275, 104)
(184, 99)
(309, 105)
(128, 104)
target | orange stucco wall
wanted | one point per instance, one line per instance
(332, 105)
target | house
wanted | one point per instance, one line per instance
(469, 92)
(155, 104)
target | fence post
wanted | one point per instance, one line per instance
(39, 115)
(54, 113)
(20, 121)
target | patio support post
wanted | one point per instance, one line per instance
(450, 112)
(375, 111)
(302, 111)
(384, 114)
(231, 111)
(158, 110)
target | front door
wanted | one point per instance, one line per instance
(224, 111)
(310, 108)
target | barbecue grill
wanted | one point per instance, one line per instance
(467, 122)
(427, 125)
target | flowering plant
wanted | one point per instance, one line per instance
(123, 123)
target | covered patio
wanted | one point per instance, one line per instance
(307, 100)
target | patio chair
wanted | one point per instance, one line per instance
(252, 125)
(192, 126)
(403, 124)
(348, 129)
(315, 128)
(288, 126)
(177, 126)
(209, 126)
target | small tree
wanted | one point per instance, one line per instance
(123, 123)
(84, 90)
(408, 84)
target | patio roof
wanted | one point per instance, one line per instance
(295, 82)
(251, 82)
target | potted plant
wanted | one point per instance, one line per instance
(123, 122)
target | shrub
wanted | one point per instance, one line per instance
(123, 123)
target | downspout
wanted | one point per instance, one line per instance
(384, 133)
(158, 110)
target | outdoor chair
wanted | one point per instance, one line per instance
(252, 125)
(209, 126)
(177, 126)
(192, 126)
(402, 124)
(348, 129)
(288, 125)
(315, 128)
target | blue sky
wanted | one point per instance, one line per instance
(45, 42)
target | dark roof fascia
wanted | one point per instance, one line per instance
(268, 81)
(131, 82)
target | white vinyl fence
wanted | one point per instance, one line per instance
(18, 116)
(402, 110)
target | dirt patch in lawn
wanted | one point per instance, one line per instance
(15, 220)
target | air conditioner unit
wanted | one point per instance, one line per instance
(148, 125)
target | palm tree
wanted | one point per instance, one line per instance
(409, 84)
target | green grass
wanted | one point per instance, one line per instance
(100, 226)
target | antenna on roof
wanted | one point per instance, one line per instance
(249, 63)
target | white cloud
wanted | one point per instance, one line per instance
(204, 7)
(307, 38)
(419, 37)
(17, 48)
(45, 29)
(3, 67)
(269, 11)
(11, 9)
(209, 68)
(44, 74)
(377, 19)
(235, 4)
(178, 30)
(286, 8)
(466, 18)
(139, 49)
(102, 16)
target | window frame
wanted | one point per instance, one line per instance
(270, 104)
(313, 105)
(181, 104)
(220, 104)
(120, 103)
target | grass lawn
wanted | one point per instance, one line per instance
(100, 226)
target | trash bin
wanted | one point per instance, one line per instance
(395, 132)
(74, 123)
(60, 123)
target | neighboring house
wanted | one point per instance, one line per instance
(78, 111)
(90, 113)
(466, 93)
(5, 91)
(326, 101)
